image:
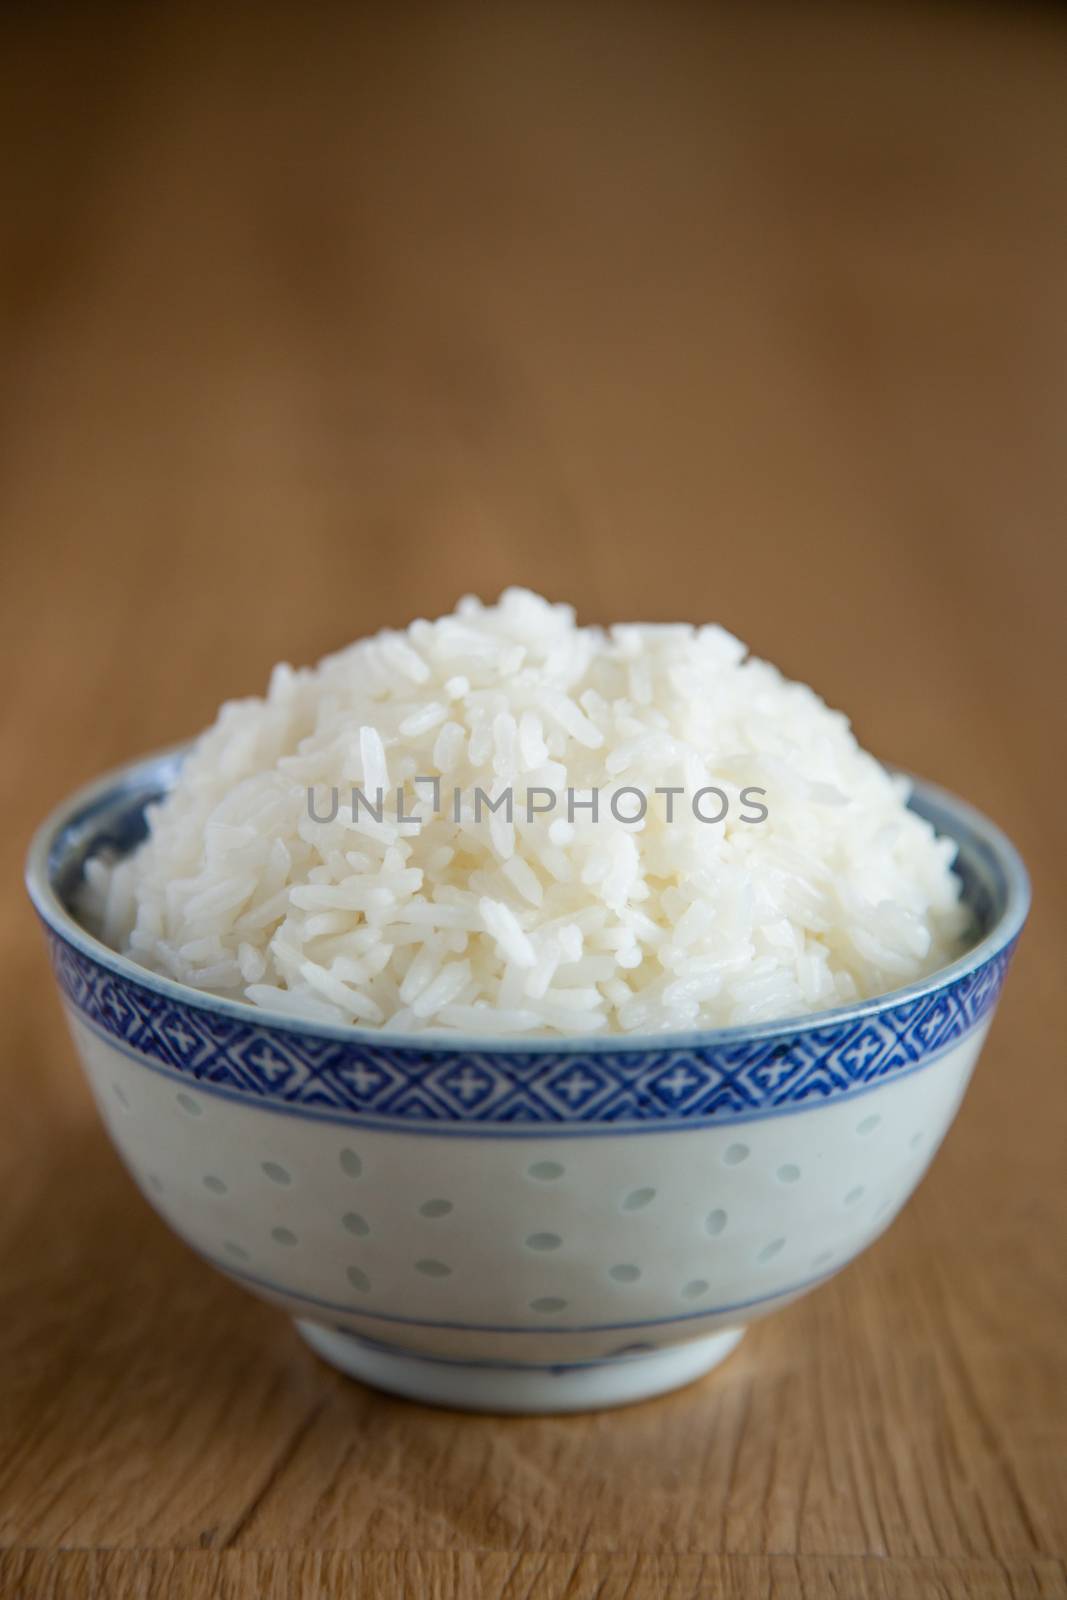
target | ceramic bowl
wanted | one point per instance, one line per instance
(538, 1225)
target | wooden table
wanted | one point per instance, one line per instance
(312, 320)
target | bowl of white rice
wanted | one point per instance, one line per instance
(526, 1007)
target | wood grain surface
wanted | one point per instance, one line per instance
(312, 320)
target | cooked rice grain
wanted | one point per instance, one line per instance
(548, 924)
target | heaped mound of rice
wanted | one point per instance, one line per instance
(478, 924)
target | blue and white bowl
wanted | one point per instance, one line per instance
(529, 1225)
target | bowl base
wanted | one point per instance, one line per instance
(485, 1386)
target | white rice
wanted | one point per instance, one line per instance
(435, 919)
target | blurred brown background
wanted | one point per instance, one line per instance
(312, 319)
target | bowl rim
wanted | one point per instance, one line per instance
(94, 795)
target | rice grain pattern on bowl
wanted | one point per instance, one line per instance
(565, 1217)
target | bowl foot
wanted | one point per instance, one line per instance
(488, 1386)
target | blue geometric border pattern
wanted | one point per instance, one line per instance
(407, 1086)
